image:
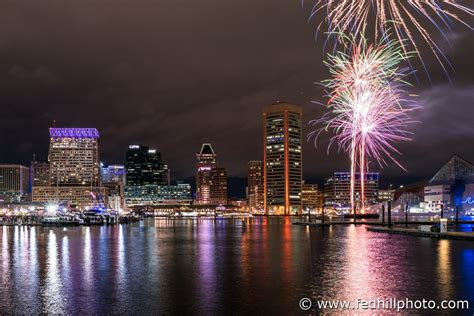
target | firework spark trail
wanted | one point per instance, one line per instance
(368, 110)
(408, 19)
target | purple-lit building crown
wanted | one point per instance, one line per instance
(73, 133)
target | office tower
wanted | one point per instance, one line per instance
(311, 198)
(113, 178)
(14, 182)
(148, 179)
(206, 162)
(74, 156)
(282, 158)
(39, 173)
(255, 185)
(218, 186)
(337, 190)
(74, 169)
(145, 167)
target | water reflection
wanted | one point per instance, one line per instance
(255, 266)
(206, 265)
(87, 258)
(52, 300)
(444, 268)
(351, 263)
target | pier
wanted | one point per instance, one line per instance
(419, 233)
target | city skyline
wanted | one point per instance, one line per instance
(236, 157)
(175, 103)
(237, 185)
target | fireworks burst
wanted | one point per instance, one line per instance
(368, 110)
(408, 19)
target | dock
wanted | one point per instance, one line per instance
(416, 232)
(375, 223)
(329, 223)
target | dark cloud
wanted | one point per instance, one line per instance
(176, 73)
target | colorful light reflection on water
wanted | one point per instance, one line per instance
(260, 265)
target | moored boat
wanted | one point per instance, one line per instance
(64, 220)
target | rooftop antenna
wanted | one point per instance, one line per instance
(54, 123)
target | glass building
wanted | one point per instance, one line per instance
(145, 167)
(179, 194)
(452, 186)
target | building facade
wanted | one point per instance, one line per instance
(451, 187)
(39, 173)
(211, 180)
(113, 178)
(386, 195)
(147, 195)
(437, 196)
(74, 170)
(282, 170)
(218, 186)
(255, 185)
(144, 166)
(311, 198)
(206, 161)
(14, 183)
(74, 157)
(145, 170)
(76, 198)
(337, 190)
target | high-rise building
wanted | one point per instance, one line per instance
(311, 198)
(145, 170)
(211, 180)
(337, 190)
(14, 182)
(255, 185)
(218, 186)
(74, 169)
(39, 173)
(113, 178)
(145, 167)
(206, 162)
(282, 158)
(74, 157)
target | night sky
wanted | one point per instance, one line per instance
(175, 73)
